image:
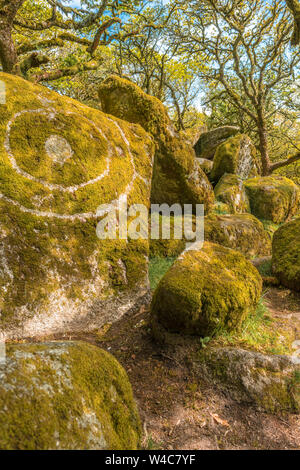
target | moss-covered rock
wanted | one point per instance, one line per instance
(242, 232)
(205, 290)
(286, 254)
(230, 190)
(208, 142)
(177, 178)
(270, 382)
(60, 160)
(274, 198)
(205, 165)
(236, 155)
(167, 247)
(69, 395)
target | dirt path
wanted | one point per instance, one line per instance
(178, 410)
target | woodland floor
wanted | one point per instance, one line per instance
(181, 410)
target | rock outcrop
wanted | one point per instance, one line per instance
(69, 395)
(236, 155)
(205, 291)
(274, 198)
(241, 232)
(59, 161)
(286, 254)
(208, 141)
(230, 190)
(177, 177)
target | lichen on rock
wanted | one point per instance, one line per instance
(65, 395)
(177, 178)
(230, 190)
(236, 155)
(60, 160)
(273, 198)
(286, 254)
(269, 381)
(242, 232)
(204, 291)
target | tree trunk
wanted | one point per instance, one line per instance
(263, 145)
(8, 54)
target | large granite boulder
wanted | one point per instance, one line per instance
(59, 161)
(274, 198)
(208, 142)
(205, 291)
(230, 190)
(270, 382)
(242, 232)
(177, 177)
(236, 155)
(69, 395)
(286, 254)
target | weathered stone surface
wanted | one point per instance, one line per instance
(230, 190)
(236, 155)
(205, 165)
(177, 178)
(242, 232)
(286, 254)
(68, 395)
(208, 142)
(59, 160)
(205, 290)
(274, 198)
(271, 382)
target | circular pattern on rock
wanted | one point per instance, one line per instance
(58, 148)
(62, 154)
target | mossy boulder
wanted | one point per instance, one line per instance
(65, 395)
(242, 232)
(59, 161)
(286, 254)
(271, 382)
(177, 178)
(274, 198)
(236, 155)
(205, 165)
(167, 246)
(230, 190)
(208, 142)
(204, 291)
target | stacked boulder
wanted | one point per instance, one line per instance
(177, 176)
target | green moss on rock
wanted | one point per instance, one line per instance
(274, 198)
(230, 190)
(205, 290)
(177, 178)
(286, 254)
(60, 160)
(242, 232)
(236, 155)
(65, 396)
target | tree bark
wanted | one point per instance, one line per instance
(263, 143)
(8, 54)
